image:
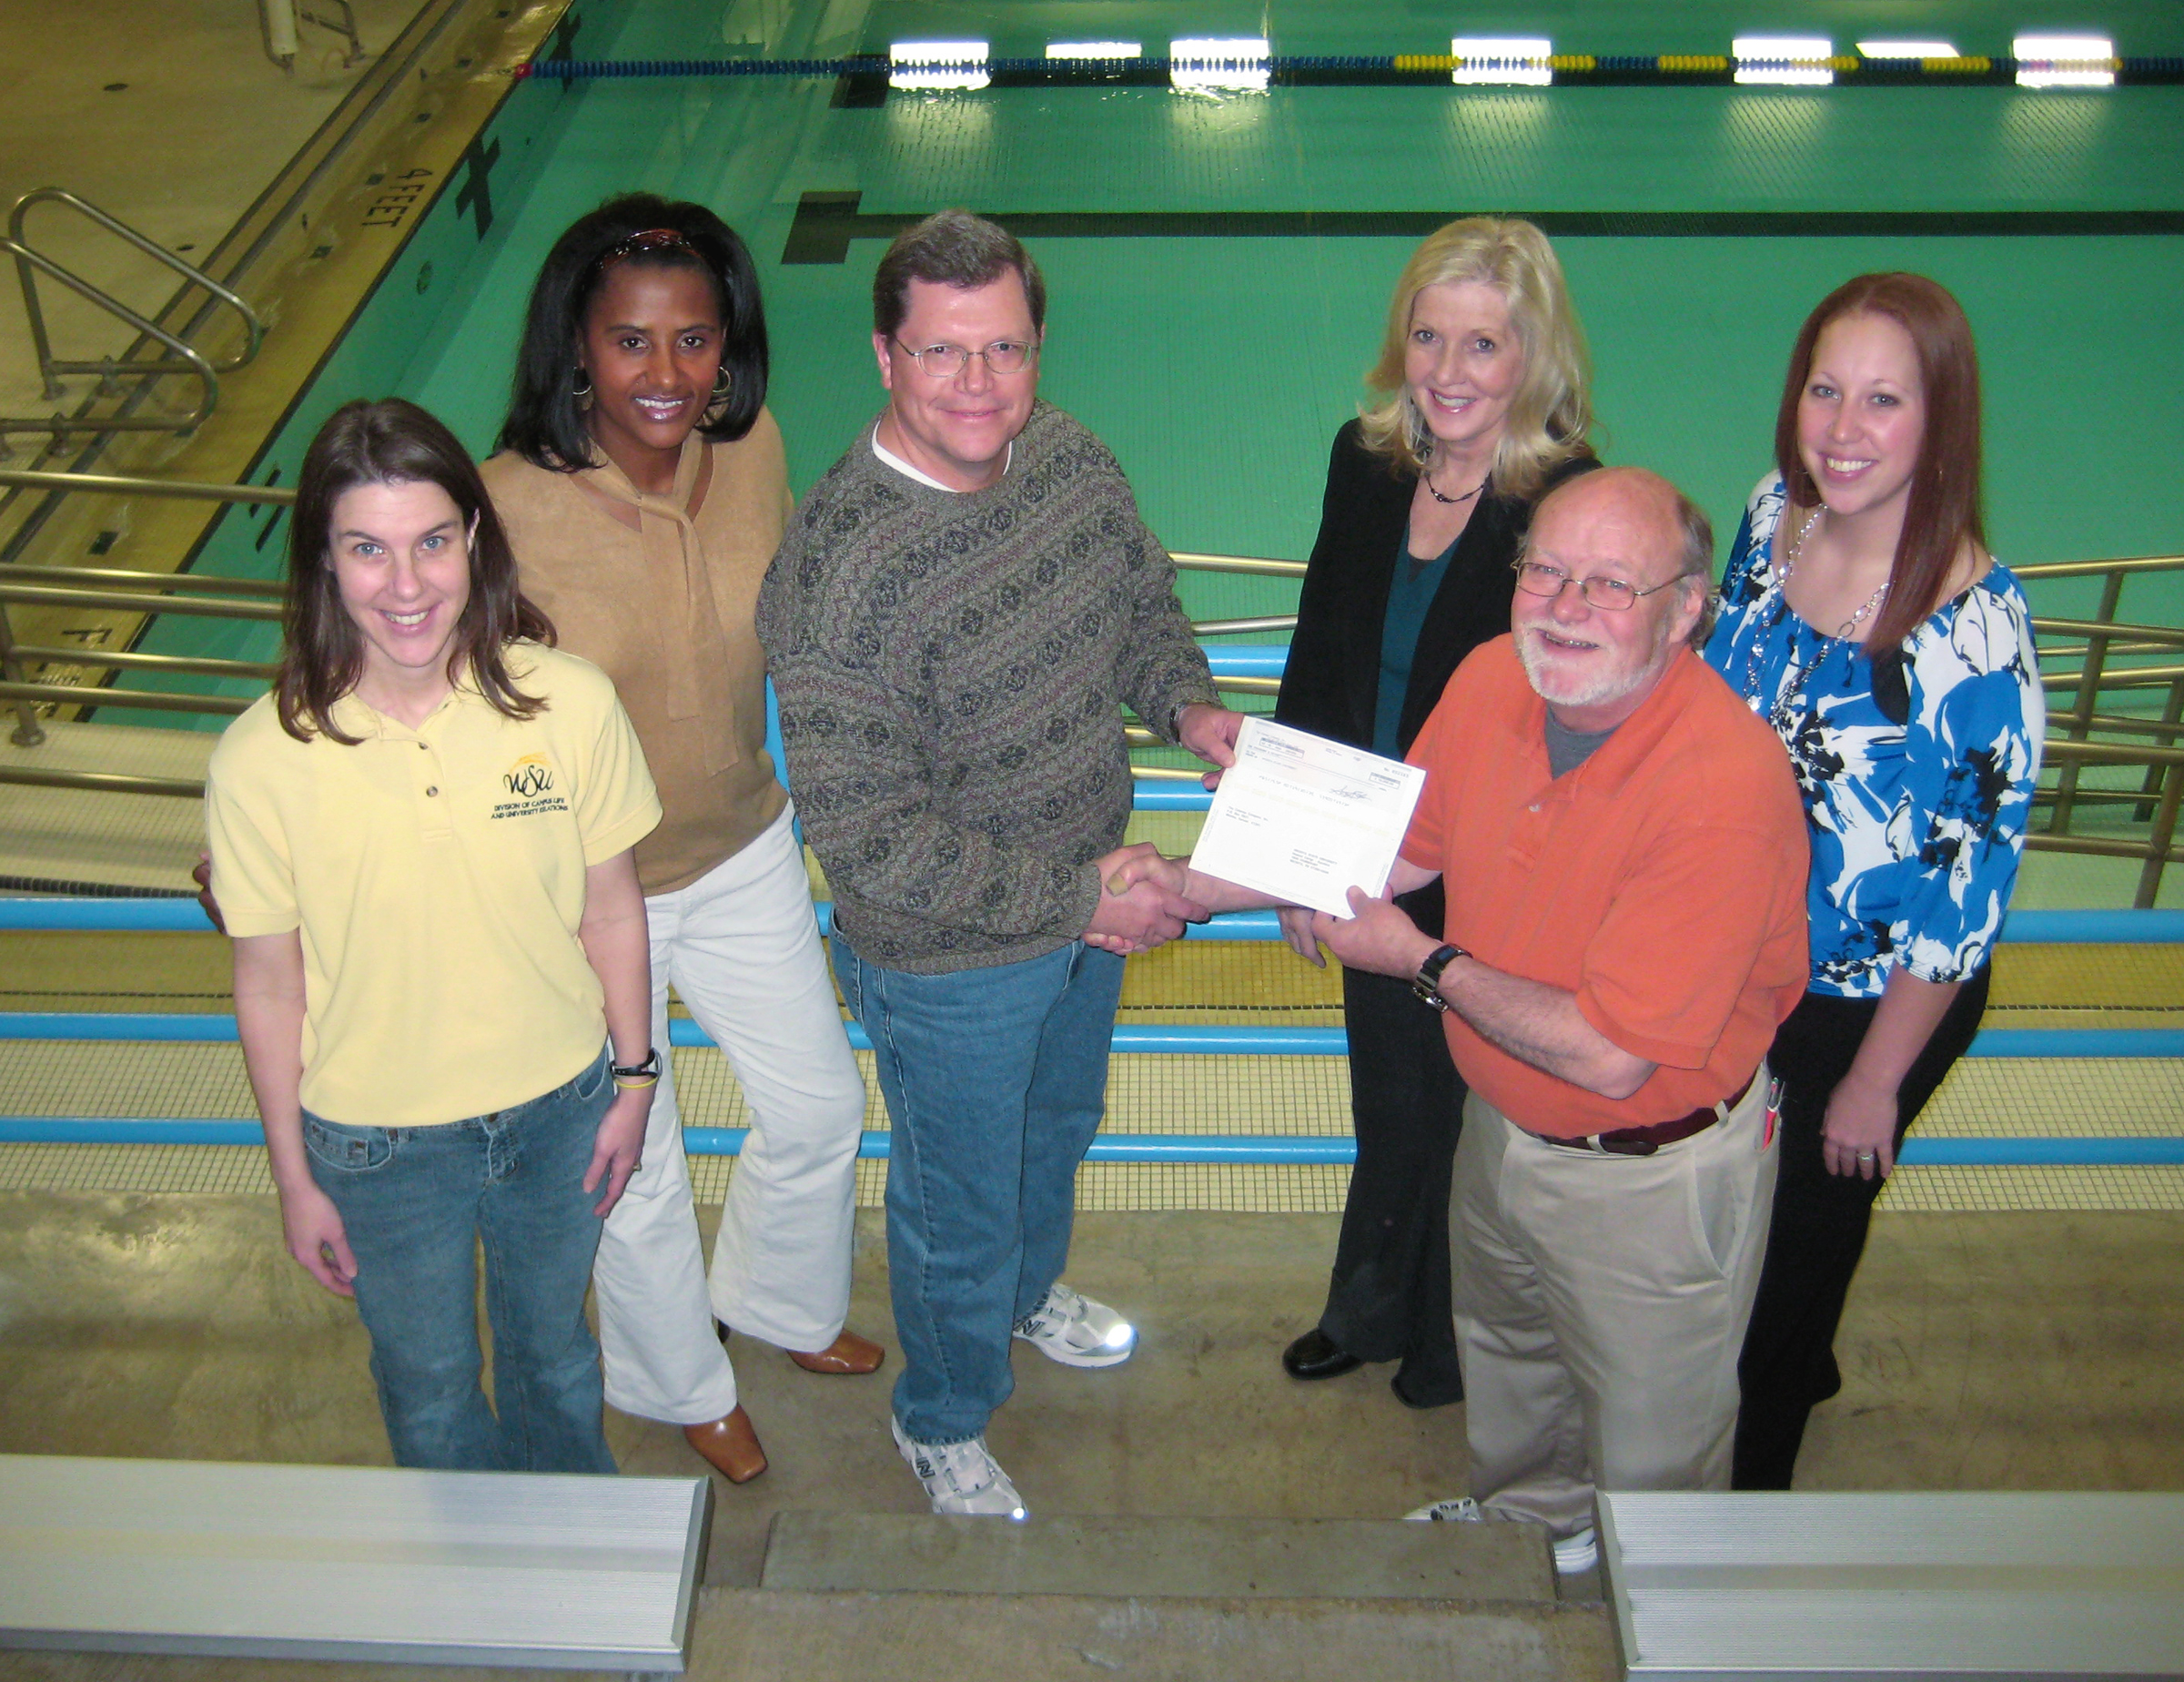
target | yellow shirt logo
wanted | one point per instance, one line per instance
(529, 783)
(530, 777)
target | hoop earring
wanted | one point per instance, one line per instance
(1414, 423)
(580, 386)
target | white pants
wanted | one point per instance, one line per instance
(742, 946)
(1601, 1304)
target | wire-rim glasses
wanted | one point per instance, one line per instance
(1537, 578)
(1004, 355)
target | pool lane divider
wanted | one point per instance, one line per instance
(867, 73)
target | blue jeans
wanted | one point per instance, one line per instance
(416, 1200)
(995, 1080)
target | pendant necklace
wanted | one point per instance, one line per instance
(1798, 672)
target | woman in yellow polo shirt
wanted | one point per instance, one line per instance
(421, 843)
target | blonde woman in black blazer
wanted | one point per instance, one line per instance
(1483, 406)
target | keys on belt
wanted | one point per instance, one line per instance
(1645, 1141)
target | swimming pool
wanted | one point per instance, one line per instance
(1218, 364)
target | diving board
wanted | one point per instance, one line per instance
(2001, 1586)
(207, 1559)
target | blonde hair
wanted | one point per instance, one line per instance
(1552, 408)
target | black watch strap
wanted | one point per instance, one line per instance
(1426, 983)
(637, 1071)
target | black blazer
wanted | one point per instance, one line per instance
(1331, 684)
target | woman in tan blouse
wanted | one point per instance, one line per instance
(644, 487)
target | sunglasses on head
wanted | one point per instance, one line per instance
(651, 239)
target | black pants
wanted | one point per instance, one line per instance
(1389, 1297)
(1820, 1223)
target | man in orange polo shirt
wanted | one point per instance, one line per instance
(1624, 859)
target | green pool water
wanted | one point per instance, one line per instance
(1219, 368)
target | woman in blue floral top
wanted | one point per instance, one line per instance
(1863, 619)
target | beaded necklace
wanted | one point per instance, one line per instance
(1778, 583)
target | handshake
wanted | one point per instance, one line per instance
(1145, 900)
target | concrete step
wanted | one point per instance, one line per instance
(1127, 1557)
(762, 1635)
(766, 1635)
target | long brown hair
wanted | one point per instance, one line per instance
(1551, 411)
(1945, 506)
(388, 443)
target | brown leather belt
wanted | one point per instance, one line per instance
(1645, 1141)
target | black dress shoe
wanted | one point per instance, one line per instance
(1411, 1393)
(1318, 1355)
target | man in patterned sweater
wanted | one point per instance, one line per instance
(955, 616)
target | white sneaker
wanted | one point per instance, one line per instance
(1572, 1554)
(1076, 1331)
(1456, 1509)
(1577, 1553)
(961, 1477)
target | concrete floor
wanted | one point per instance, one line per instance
(1981, 1352)
(2000, 1351)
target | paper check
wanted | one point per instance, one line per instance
(1304, 818)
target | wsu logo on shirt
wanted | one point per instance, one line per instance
(530, 788)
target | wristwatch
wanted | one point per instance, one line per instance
(637, 1071)
(1426, 983)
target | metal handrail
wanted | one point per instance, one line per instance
(1256, 565)
(152, 592)
(122, 485)
(193, 361)
(204, 607)
(2121, 566)
(1239, 627)
(32, 653)
(210, 584)
(270, 218)
(2166, 783)
(89, 695)
(103, 782)
(2092, 676)
(2152, 636)
(30, 262)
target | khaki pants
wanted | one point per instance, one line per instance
(1601, 1304)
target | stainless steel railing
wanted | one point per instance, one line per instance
(2087, 658)
(44, 583)
(184, 357)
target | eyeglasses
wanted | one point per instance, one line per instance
(1533, 578)
(651, 239)
(1004, 355)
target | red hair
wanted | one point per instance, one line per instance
(1944, 509)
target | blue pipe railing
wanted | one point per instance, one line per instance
(181, 914)
(1180, 1148)
(1139, 1039)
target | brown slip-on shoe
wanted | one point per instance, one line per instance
(730, 1445)
(848, 1354)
